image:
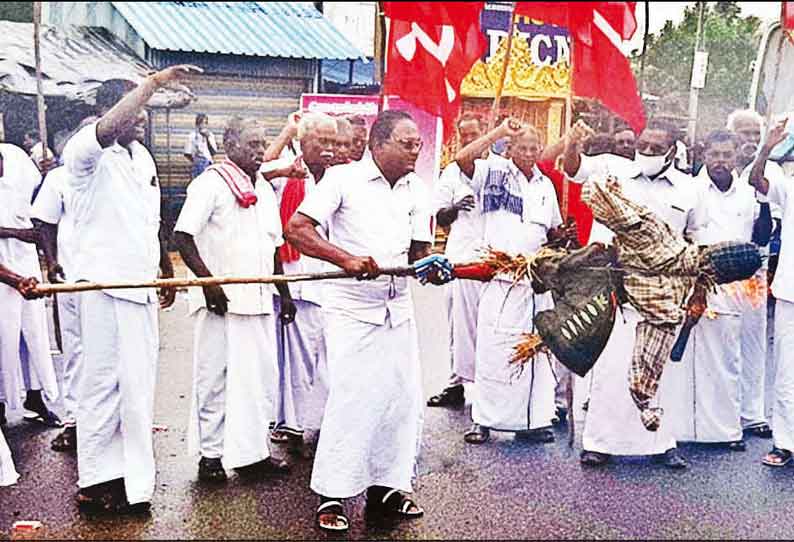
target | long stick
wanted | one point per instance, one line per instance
(566, 184)
(47, 289)
(505, 65)
(40, 106)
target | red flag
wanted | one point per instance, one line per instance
(576, 207)
(600, 70)
(432, 46)
(787, 15)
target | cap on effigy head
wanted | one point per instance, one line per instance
(730, 261)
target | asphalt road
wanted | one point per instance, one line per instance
(502, 490)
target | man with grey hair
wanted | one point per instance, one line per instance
(748, 126)
(301, 346)
(229, 226)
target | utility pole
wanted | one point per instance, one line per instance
(699, 64)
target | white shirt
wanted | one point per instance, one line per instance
(366, 216)
(671, 196)
(18, 180)
(53, 206)
(116, 197)
(233, 240)
(466, 232)
(781, 193)
(37, 153)
(311, 291)
(726, 216)
(196, 144)
(517, 212)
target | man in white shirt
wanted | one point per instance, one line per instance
(116, 198)
(53, 208)
(780, 191)
(520, 214)
(707, 381)
(755, 364)
(612, 424)
(220, 233)
(200, 146)
(301, 345)
(35, 148)
(24, 287)
(360, 137)
(25, 360)
(344, 142)
(379, 215)
(457, 205)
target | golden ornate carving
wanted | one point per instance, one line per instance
(524, 79)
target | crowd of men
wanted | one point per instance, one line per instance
(332, 193)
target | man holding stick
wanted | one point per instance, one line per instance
(379, 215)
(24, 340)
(116, 194)
(25, 287)
(230, 225)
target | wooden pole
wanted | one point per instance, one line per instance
(779, 57)
(505, 65)
(566, 184)
(47, 289)
(41, 107)
(39, 89)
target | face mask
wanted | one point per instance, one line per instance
(650, 165)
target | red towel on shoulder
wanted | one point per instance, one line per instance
(291, 198)
(237, 181)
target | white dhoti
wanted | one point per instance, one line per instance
(116, 394)
(464, 304)
(706, 383)
(302, 365)
(612, 422)
(783, 412)
(371, 428)
(69, 314)
(234, 377)
(502, 399)
(8, 474)
(25, 359)
(754, 354)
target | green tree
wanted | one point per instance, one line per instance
(21, 12)
(731, 41)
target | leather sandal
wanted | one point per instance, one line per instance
(477, 434)
(593, 459)
(66, 441)
(536, 435)
(394, 503)
(777, 458)
(334, 512)
(762, 431)
(211, 470)
(452, 396)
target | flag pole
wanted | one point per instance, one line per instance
(778, 58)
(381, 51)
(505, 66)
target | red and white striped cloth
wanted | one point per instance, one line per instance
(238, 182)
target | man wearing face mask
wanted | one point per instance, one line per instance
(301, 346)
(457, 204)
(613, 425)
(707, 381)
(748, 125)
(520, 214)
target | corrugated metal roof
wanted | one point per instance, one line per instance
(270, 29)
(75, 61)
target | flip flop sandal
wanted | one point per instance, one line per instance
(762, 431)
(396, 503)
(777, 458)
(278, 436)
(477, 435)
(47, 419)
(104, 505)
(66, 441)
(332, 508)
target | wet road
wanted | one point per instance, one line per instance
(502, 490)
